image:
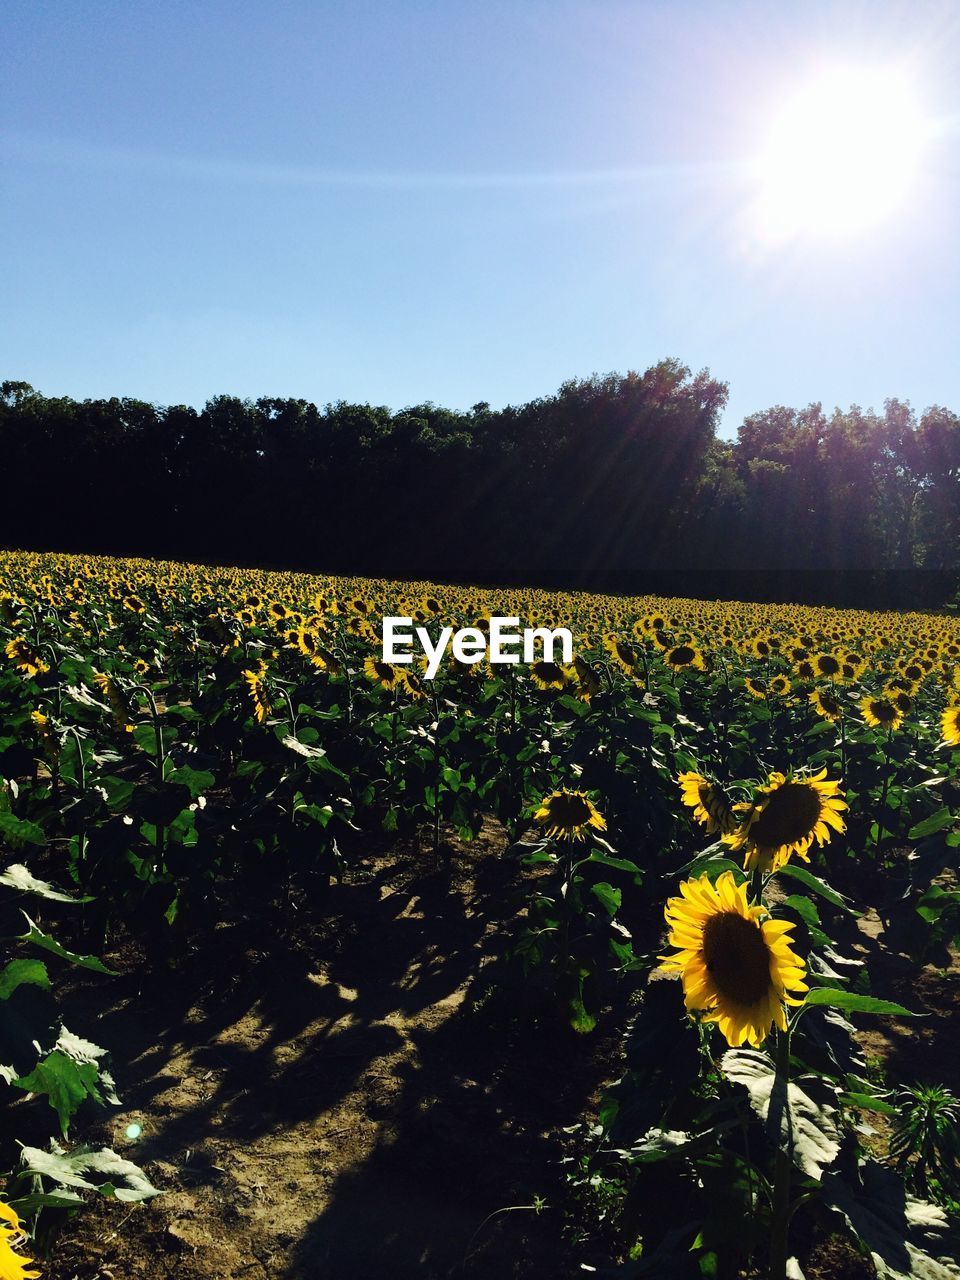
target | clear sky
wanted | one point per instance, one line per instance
(396, 200)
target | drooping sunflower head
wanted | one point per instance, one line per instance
(734, 961)
(950, 725)
(256, 687)
(382, 673)
(788, 813)
(569, 813)
(710, 806)
(780, 685)
(623, 654)
(756, 687)
(548, 675)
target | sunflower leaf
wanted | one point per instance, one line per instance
(816, 885)
(938, 821)
(855, 1003)
(786, 1110)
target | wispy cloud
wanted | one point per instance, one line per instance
(70, 153)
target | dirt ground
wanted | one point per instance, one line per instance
(341, 1096)
(351, 1117)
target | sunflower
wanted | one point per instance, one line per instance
(786, 816)
(826, 704)
(825, 664)
(881, 713)
(569, 813)
(756, 687)
(588, 682)
(412, 685)
(734, 961)
(780, 685)
(134, 604)
(900, 699)
(950, 724)
(683, 655)
(382, 673)
(624, 655)
(115, 697)
(548, 675)
(258, 693)
(710, 806)
(13, 1266)
(25, 658)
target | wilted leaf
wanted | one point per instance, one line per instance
(786, 1110)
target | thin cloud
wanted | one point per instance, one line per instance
(77, 154)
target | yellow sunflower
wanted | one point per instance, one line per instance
(881, 713)
(13, 1265)
(548, 675)
(826, 704)
(950, 724)
(382, 673)
(25, 658)
(734, 961)
(787, 815)
(258, 693)
(710, 806)
(683, 655)
(569, 813)
(756, 687)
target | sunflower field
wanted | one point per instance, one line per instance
(723, 843)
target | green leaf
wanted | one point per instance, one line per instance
(19, 972)
(18, 831)
(66, 1083)
(197, 781)
(618, 864)
(816, 885)
(610, 897)
(867, 1102)
(786, 1109)
(74, 1170)
(302, 748)
(18, 877)
(41, 939)
(853, 1003)
(938, 821)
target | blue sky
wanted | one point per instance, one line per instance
(397, 200)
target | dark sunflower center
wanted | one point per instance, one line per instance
(548, 671)
(569, 811)
(736, 957)
(682, 655)
(885, 712)
(384, 670)
(828, 665)
(791, 814)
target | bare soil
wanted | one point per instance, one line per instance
(341, 1099)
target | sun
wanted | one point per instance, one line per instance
(842, 155)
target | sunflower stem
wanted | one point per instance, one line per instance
(780, 1219)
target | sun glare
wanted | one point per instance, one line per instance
(842, 155)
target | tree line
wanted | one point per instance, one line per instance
(617, 482)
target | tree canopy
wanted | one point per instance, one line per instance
(617, 482)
